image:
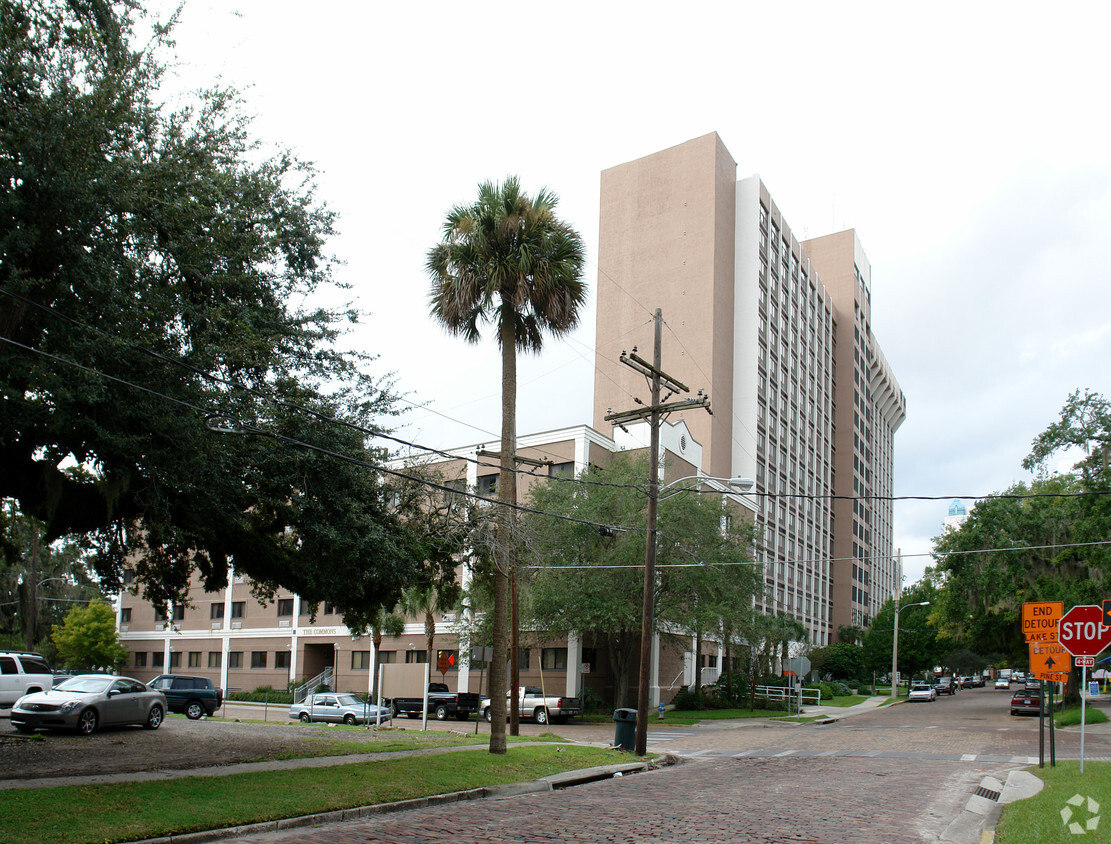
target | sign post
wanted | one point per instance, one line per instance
(1082, 633)
(1040, 620)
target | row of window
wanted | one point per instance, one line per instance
(238, 610)
(550, 659)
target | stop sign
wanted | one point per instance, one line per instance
(1082, 631)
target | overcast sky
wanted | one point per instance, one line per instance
(966, 143)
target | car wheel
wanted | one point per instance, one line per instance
(349, 719)
(541, 715)
(86, 722)
(394, 711)
(441, 713)
(154, 718)
(194, 710)
(305, 718)
(487, 715)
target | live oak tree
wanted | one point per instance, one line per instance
(589, 575)
(1041, 541)
(155, 266)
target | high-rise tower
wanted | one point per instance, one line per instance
(803, 400)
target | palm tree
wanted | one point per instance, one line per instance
(507, 260)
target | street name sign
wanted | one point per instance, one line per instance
(1082, 632)
(1049, 661)
(1040, 618)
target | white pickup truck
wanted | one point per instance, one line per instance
(531, 703)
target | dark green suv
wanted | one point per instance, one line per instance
(195, 696)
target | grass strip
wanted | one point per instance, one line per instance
(130, 811)
(1042, 818)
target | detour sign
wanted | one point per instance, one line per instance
(1040, 618)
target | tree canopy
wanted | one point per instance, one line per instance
(155, 266)
(87, 639)
(1038, 541)
(590, 580)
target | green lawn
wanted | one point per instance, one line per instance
(1039, 818)
(130, 811)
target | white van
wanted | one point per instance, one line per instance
(21, 673)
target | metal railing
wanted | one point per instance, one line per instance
(812, 696)
(323, 678)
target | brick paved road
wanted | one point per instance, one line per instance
(768, 801)
(892, 776)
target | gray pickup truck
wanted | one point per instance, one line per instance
(195, 696)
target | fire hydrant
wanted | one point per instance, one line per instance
(660, 708)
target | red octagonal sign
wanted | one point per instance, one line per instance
(1082, 632)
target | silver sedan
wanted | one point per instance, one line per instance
(87, 702)
(338, 709)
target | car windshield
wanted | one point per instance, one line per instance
(86, 685)
(348, 700)
(920, 688)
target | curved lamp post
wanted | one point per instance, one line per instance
(895, 648)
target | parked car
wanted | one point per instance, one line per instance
(21, 673)
(1027, 701)
(945, 686)
(338, 709)
(87, 702)
(532, 704)
(195, 696)
(921, 691)
(442, 703)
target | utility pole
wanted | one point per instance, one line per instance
(654, 412)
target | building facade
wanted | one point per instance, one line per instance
(243, 644)
(778, 333)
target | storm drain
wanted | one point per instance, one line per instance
(986, 792)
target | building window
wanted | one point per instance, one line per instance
(179, 613)
(387, 657)
(235, 659)
(194, 659)
(125, 615)
(281, 659)
(487, 485)
(258, 659)
(329, 609)
(175, 659)
(216, 611)
(523, 659)
(237, 608)
(214, 659)
(309, 609)
(412, 657)
(157, 659)
(159, 615)
(360, 660)
(552, 659)
(562, 470)
(285, 606)
(140, 659)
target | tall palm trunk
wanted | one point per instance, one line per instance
(505, 557)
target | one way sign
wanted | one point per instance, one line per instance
(1049, 661)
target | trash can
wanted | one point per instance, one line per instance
(625, 732)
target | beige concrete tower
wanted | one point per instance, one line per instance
(803, 399)
(666, 236)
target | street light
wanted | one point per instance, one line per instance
(895, 648)
(743, 484)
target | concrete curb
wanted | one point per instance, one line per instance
(976, 823)
(550, 783)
